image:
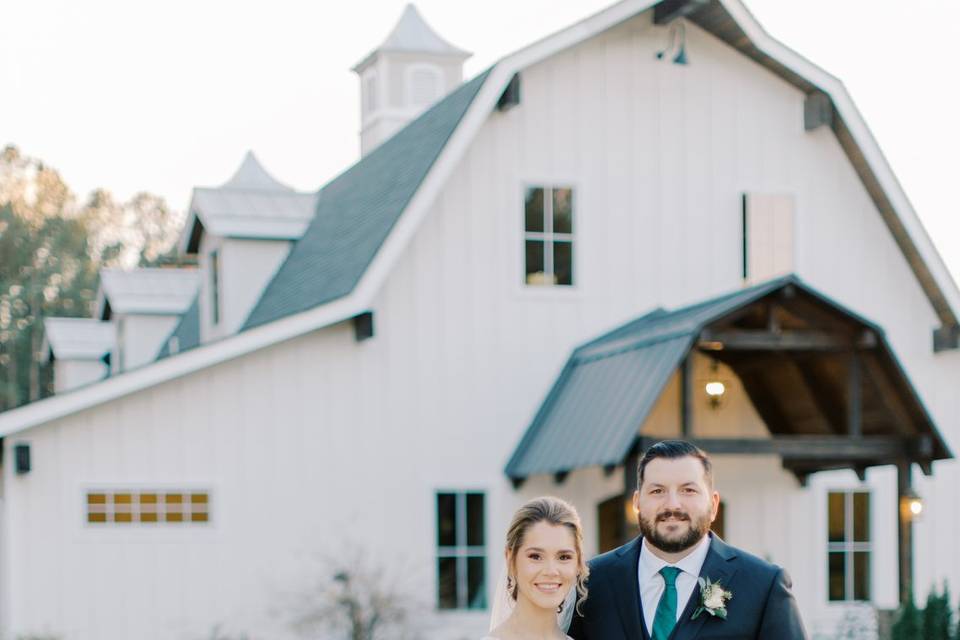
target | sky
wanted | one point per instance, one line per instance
(164, 96)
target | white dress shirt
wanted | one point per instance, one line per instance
(652, 583)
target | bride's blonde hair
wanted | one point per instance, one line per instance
(558, 513)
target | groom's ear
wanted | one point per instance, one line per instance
(715, 505)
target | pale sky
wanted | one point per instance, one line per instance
(162, 96)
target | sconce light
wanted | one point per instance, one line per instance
(911, 505)
(715, 387)
(677, 41)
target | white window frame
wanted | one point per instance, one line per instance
(849, 546)
(548, 236)
(461, 551)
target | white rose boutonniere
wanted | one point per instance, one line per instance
(713, 599)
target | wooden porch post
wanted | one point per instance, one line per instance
(904, 533)
(629, 529)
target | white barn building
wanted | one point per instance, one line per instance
(516, 288)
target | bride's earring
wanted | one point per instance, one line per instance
(560, 608)
(510, 585)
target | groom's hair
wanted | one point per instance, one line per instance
(673, 449)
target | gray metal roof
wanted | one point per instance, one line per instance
(594, 411)
(187, 332)
(164, 291)
(357, 210)
(77, 338)
(251, 204)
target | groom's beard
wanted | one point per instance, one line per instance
(677, 543)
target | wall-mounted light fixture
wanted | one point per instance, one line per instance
(911, 505)
(715, 387)
(677, 41)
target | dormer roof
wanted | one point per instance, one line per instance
(412, 34)
(251, 204)
(146, 291)
(77, 338)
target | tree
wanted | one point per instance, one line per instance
(937, 614)
(909, 624)
(359, 601)
(51, 251)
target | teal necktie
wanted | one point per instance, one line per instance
(666, 617)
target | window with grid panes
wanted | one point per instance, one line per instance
(848, 545)
(548, 236)
(147, 506)
(461, 551)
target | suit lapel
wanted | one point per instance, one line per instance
(718, 568)
(627, 588)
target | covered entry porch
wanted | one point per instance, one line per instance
(773, 371)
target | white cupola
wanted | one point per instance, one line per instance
(412, 69)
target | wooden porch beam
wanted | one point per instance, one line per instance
(760, 340)
(813, 448)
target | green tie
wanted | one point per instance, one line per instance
(666, 617)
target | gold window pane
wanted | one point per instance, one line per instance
(148, 517)
(123, 517)
(122, 498)
(198, 498)
(148, 498)
(861, 517)
(836, 517)
(96, 517)
(199, 517)
(96, 498)
(174, 516)
(173, 498)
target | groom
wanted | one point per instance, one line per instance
(648, 589)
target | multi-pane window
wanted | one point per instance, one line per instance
(461, 551)
(548, 236)
(126, 507)
(848, 545)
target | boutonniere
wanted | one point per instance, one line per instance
(713, 599)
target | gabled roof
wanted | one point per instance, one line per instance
(77, 338)
(187, 332)
(251, 204)
(147, 291)
(357, 210)
(412, 34)
(594, 413)
(727, 19)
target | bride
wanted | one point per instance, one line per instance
(546, 573)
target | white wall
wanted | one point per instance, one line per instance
(71, 374)
(141, 337)
(321, 439)
(246, 267)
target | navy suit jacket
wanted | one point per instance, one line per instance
(762, 606)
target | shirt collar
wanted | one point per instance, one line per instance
(650, 564)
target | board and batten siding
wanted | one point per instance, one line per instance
(319, 443)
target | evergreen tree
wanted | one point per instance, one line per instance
(936, 616)
(909, 624)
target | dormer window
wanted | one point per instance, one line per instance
(215, 287)
(548, 236)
